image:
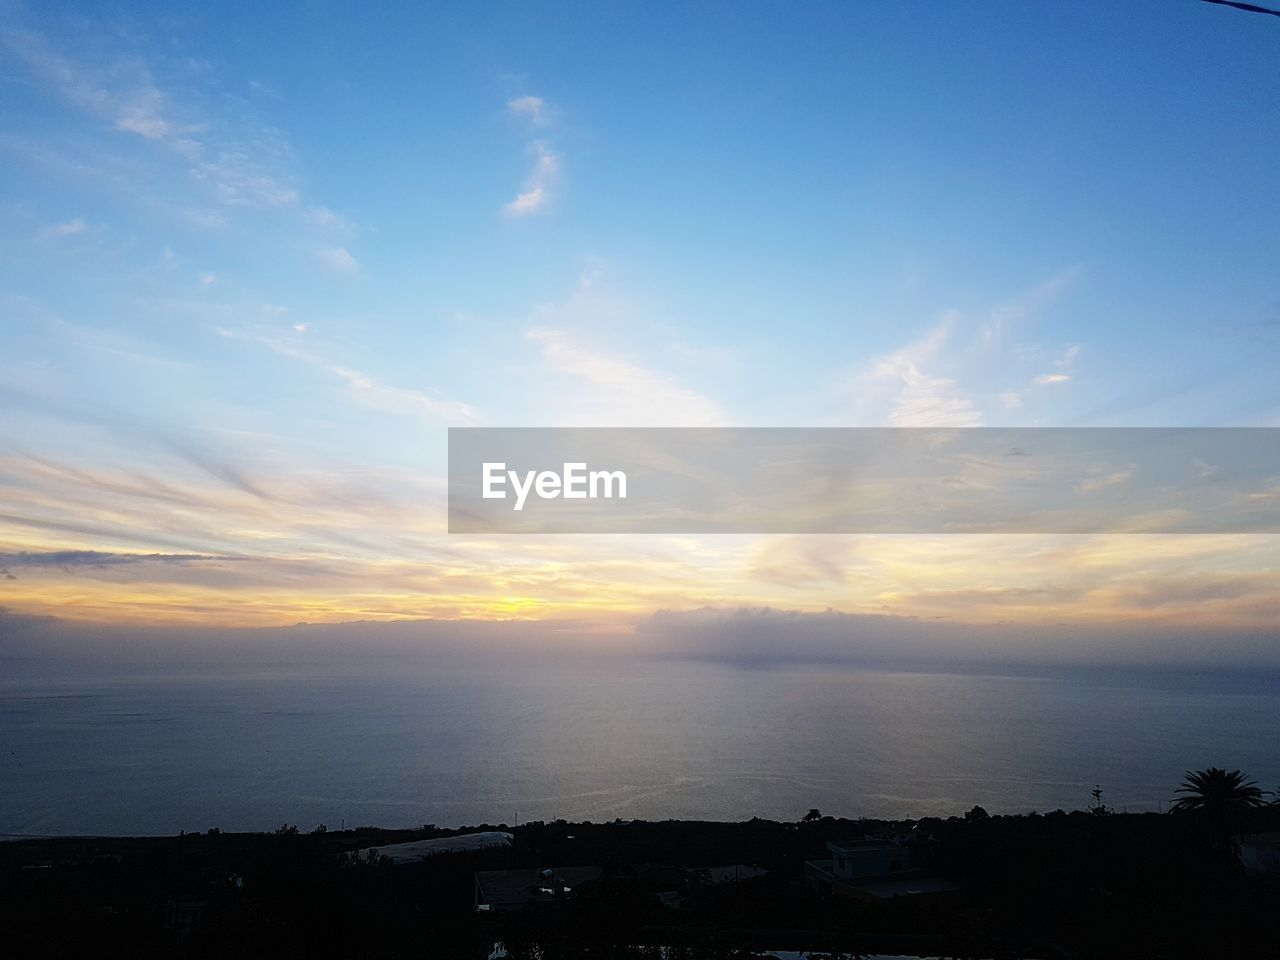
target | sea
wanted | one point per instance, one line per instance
(632, 739)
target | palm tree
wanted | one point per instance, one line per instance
(1220, 795)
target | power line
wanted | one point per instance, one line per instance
(1245, 6)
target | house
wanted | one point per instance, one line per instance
(873, 869)
(867, 857)
(529, 889)
(1259, 852)
(733, 873)
(184, 914)
(416, 850)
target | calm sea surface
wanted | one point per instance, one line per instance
(622, 739)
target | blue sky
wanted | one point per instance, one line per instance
(271, 252)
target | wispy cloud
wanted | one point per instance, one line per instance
(371, 391)
(531, 108)
(69, 560)
(338, 259)
(122, 91)
(238, 179)
(933, 380)
(72, 228)
(1063, 363)
(600, 385)
(1094, 484)
(324, 217)
(536, 193)
(1006, 317)
(925, 399)
(240, 162)
(623, 393)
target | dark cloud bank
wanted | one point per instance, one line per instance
(748, 638)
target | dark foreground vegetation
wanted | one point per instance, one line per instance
(1084, 884)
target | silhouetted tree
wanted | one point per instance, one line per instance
(1218, 795)
(977, 813)
(1099, 809)
(811, 816)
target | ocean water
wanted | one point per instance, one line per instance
(629, 739)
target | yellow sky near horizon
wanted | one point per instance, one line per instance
(264, 547)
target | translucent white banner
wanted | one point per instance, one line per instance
(864, 480)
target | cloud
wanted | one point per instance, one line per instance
(1093, 484)
(532, 108)
(239, 180)
(536, 193)
(925, 384)
(1009, 314)
(925, 399)
(325, 218)
(1063, 363)
(69, 560)
(623, 393)
(1205, 470)
(71, 228)
(764, 636)
(237, 159)
(121, 92)
(338, 259)
(1268, 494)
(530, 201)
(373, 392)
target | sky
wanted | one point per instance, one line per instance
(258, 258)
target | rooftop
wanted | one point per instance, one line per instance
(862, 843)
(511, 887)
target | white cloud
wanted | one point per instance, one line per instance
(936, 380)
(531, 201)
(1267, 494)
(536, 194)
(370, 391)
(338, 258)
(1014, 311)
(620, 392)
(1093, 484)
(532, 108)
(924, 399)
(239, 160)
(326, 218)
(71, 228)
(1205, 470)
(123, 92)
(241, 175)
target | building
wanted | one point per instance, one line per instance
(529, 889)
(733, 873)
(416, 850)
(1259, 852)
(873, 869)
